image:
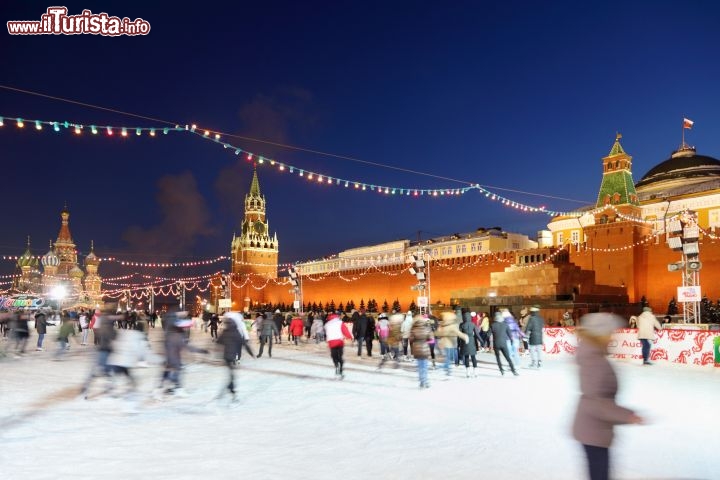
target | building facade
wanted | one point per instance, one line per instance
(254, 255)
(59, 267)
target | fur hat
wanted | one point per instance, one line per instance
(535, 308)
(600, 324)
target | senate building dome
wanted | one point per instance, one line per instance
(685, 172)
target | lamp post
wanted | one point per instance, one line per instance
(682, 236)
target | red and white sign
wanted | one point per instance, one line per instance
(689, 294)
(690, 347)
(422, 302)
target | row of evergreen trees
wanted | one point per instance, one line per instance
(371, 306)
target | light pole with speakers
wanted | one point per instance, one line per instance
(421, 269)
(683, 236)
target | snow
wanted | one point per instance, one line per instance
(294, 420)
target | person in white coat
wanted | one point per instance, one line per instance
(646, 325)
(405, 330)
(128, 349)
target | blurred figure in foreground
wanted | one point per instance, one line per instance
(597, 413)
(104, 331)
(128, 348)
(420, 335)
(394, 338)
(448, 333)
(177, 326)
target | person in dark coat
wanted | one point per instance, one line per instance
(104, 328)
(177, 329)
(501, 340)
(534, 332)
(469, 349)
(369, 334)
(597, 413)
(360, 329)
(41, 325)
(278, 319)
(214, 321)
(21, 331)
(268, 330)
(232, 340)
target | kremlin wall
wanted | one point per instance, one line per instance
(612, 254)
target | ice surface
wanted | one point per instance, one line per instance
(294, 420)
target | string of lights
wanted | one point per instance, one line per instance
(257, 159)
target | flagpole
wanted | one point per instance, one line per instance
(683, 135)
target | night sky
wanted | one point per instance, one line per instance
(516, 96)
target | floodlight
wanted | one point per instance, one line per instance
(675, 243)
(420, 276)
(674, 226)
(691, 233)
(691, 249)
(413, 271)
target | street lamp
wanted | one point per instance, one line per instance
(58, 293)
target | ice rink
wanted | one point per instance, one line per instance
(295, 421)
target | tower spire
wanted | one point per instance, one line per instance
(255, 185)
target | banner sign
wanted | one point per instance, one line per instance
(689, 294)
(690, 347)
(16, 302)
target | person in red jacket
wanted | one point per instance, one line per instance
(296, 328)
(336, 332)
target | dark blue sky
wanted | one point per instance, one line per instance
(524, 96)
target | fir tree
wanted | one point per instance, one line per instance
(396, 305)
(331, 306)
(385, 307)
(362, 304)
(341, 307)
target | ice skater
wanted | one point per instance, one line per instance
(597, 413)
(501, 340)
(233, 339)
(420, 335)
(177, 326)
(336, 332)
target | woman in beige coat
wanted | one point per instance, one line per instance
(447, 335)
(597, 413)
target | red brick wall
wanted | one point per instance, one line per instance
(642, 269)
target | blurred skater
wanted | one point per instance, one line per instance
(233, 340)
(104, 331)
(597, 413)
(177, 326)
(394, 338)
(420, 335)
